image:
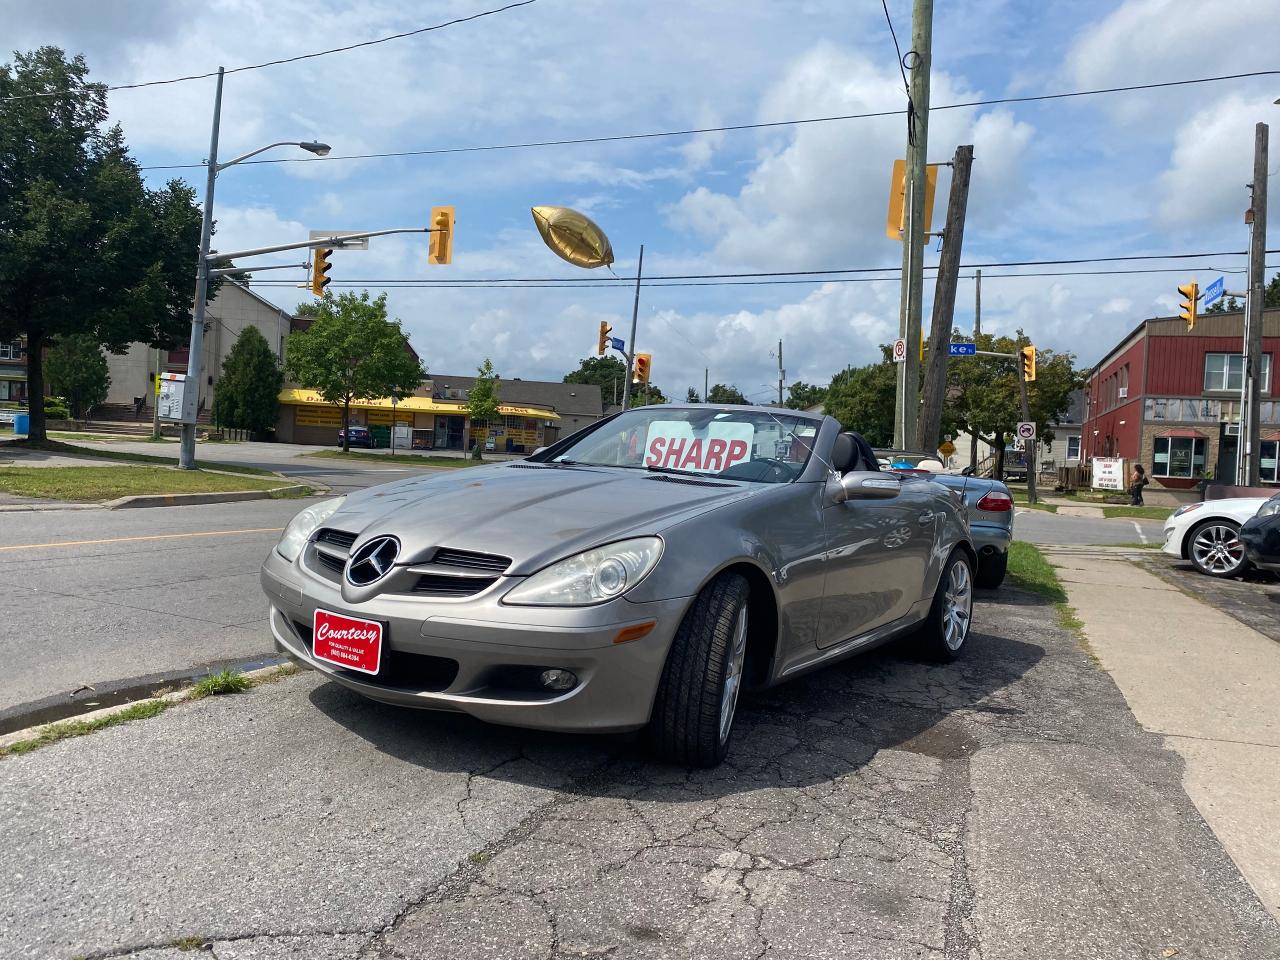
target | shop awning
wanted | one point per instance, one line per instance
(1191, 434)
(297, 396)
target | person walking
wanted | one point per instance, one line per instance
(1137, 480)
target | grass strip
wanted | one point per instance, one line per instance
(1029, 570)
(71, 449)
(78, 728)
(421, 460)
(217, 684)
(88, 484)
(1142, 513)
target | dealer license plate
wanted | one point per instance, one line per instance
(348, 642)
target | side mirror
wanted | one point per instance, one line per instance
(968, 471)
(867, 485)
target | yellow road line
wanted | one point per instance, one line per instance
(157, 536)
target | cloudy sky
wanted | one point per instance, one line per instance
(1145, 172)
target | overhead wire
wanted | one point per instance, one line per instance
(729, 128)
(283, 60)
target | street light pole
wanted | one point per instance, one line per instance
(190, 406)
(631, 344)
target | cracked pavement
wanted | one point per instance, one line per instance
(1005, 806)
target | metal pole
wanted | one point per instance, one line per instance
(913, 237)
(631, 344)
(155, 401)
(977, 332)
(1251, 445)
(191, 404)
(782, 374)
(393, 426)
(944, 302)
(706, 383)
(1029, 445)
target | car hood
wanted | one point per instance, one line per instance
(1239, 509)
(531, 513)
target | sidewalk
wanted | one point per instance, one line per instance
(1206, 682)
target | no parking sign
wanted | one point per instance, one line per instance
(899, 350)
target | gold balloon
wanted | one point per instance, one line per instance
(573, 236)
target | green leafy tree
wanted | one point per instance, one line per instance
(78, 371)
(87, 248)
(863, 398)
(609, 374)
(692, 396)
(802, 396)
(725, 393)
(247, 396)
(482, 406)
(352, 352)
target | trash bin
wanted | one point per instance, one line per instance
(21, 424)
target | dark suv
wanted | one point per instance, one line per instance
(360, 437)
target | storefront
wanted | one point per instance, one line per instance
(423, 423)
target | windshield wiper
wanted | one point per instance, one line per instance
(683, 473)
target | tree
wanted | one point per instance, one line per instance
(247, 396)
(482, 405)
(692, 396)
(78, 372)
(1270, 298)
(863, 399)
(607, 373)
(351, 352)
(725, 393)
(802, 396)
(88, 249)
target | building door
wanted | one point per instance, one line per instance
(449, 433)
(1228, 449)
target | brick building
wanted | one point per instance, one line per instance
(1169, 398)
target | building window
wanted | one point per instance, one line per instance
(1267, 468)
(1181, 457)
(1225, 371)
(1073, 448)
(10, 351)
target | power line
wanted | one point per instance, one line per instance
(295, 59)
(732, 128)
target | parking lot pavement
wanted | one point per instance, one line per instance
(1253, 599)
(1005, 806)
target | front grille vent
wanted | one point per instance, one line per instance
(339, 538)
(436, 585)
(691, 481)
(528, 466)
(486, 562)
(336, 564)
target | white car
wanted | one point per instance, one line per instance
(1206, 533)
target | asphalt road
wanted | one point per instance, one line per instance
(1040, 526)
(1003, 807)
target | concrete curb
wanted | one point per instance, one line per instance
(52, 505)
(176, 696)
(190, 499)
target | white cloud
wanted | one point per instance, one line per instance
(1212, 160)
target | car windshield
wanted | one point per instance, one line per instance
(714, 442)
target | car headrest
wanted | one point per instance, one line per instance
(844, 453)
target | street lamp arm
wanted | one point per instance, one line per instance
(320, 149)
(335, 241)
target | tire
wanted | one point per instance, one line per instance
(991, 571)
(693, 713)
(946, 630)
(1214, 548)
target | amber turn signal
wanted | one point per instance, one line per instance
(635, 632)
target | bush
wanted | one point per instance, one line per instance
(55, 408)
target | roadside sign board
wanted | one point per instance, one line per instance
(361, 244)
(1107, 473)
(899, 351)
(1026, 430)
(963, 350)
(1212, 293)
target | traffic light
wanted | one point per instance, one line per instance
(603, 344)
(1028, 363)
(643, 363)
(320, 271)
(1190, 303)
(440, 246)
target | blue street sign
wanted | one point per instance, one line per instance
(963, 350)
(618, 344)
(1212, 293)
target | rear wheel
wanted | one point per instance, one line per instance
(991, 570)
(946, 629)
(697, 697)
(1215, 549)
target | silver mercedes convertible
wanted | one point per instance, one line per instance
(637, 575)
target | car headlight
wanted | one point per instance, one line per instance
(1268, 509)
(1185, 509)
(591, 577)
(302, 526)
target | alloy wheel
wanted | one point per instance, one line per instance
(1217, 549)
(733, 674)
(957, 611)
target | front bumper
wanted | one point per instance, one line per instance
(1173, 541)
(1261, 539)
(467, 655)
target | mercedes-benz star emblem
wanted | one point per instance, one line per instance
(373, 561)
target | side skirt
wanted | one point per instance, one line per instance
(859, 644)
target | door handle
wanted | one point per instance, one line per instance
(925, 518)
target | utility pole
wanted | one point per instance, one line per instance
(1029, 446)
(944, 302)
(187, 450)
(706, 383)
(1251, 447)
(977, 331)
(782, 374)
(631, 344)
(920, 63)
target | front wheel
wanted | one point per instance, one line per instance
(945, 630)
(697, 699)
(1216, 549)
